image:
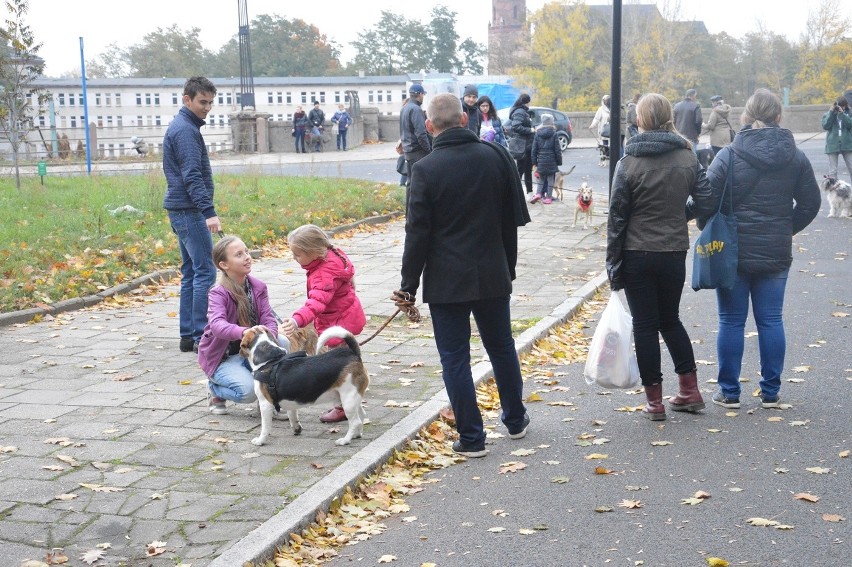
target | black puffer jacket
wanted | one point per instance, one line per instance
(522, 125)
(775, 195)
(546, 153)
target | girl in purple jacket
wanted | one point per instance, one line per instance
(238, 302)
(331, 291)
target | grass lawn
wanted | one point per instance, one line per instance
(62, 240)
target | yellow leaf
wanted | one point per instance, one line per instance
(185, 382)
(630, 504)
(596, 456)
(775, 419)
(762, 522)
(534, 397)
(717, 562)
(818, 470)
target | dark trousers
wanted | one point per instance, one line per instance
(451, 324)
(341, 139)
(410, 159)
(300, 140)
(525, 171)
(653, 284)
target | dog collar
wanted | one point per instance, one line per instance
(584, 205)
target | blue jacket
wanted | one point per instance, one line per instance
(342, 119)
(187, 166)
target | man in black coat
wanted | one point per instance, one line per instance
(468, 100)
(461, 234)
(687, 118)
(317, 119)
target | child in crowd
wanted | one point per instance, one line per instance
(331, 291)
(546, 158)
(238, 302)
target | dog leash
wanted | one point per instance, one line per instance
(404, 302)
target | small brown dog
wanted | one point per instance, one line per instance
(584, 206)
(559, 182)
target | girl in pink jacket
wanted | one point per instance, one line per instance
(331, 291)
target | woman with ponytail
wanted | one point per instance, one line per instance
(331, 291)
(236, 303)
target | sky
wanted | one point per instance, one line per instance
(59, 24)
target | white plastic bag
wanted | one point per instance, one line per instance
(612, 362)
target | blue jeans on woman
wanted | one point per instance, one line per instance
(451, 324)
(198, 274)
(767, 299)
(233, 379)
(653, 285)
(341, 138)
(300, 139)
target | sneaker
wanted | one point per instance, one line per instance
(720, 400)
(471, 451)
(215, 405)
(769, 402)
(187, 344)
(535, 198)
(333, 415)
(547, 201)
(522, 432)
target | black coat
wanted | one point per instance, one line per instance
(546, 153)
(775, 195)
(522, 125)
(461, 230)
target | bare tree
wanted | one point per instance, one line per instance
(20, 66)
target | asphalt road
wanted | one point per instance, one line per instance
(752, 463)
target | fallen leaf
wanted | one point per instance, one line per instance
(57, 557)
(818, 470)
(795, 380)
(692, 501)
(833, 518)
(807, 496)
(387, 558)
(716, 562)
(8, 449)
(602, 509)
(99, 488)
(155, 548)
(715, 430)
(560, 479)
(797, 423)
(840, 314)
(783, 527)
(523, 452)
(630, 504)
(512, 466)
(65, 497)
(526, 531)
(843, 454)
(596, 456)
(762, 522)
(603, 470)
(92, 555)
(223, 440)
(66, 459)
(801, 368)
(775, 419)
(781, 470)
(660, 443)
(496, 530)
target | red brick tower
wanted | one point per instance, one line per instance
(505, 34)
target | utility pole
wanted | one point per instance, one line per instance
(246, 76)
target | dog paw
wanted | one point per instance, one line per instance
(342, 441)
(258, 441)
(297, 430)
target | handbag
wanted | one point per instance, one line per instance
(730, 130)
(714, 255)
(517, 147)
(611, 362)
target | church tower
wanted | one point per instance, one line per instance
(505, 34)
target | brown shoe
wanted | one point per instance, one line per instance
(655, 410)
(689, 397)
(334, 415)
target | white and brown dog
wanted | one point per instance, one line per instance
(559, 182)
(839, 195)
(292, 381)
(584, 206)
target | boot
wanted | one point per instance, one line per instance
(655, 410)
(688, 398)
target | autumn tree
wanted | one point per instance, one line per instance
(171, 52)
(112, 64)
(20, 66)
(824, 54)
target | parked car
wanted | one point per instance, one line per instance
(563, 124)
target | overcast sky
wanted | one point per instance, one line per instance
(58, 24)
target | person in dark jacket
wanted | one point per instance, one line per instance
(837, 123)
(687, 118)
(775, 195)
(466, 247)
(189, 202)
(468, 100)
(300, 126)
(316, 118)
(522, 126)
(647, 241)
(546, 156)
(412, 132)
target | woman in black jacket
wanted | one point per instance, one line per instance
(522, 126)
(775, 195)
(647, 241)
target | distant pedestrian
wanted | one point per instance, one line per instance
(412, 132)
(837, 123)
(600, 122)
(687, 118)
(343, 120)
(632, 125)
(469, 100)
(647, 241)
(461, 236)
(316, 118)
(189, 202)
(300, 128)
(140, 145)
(237, 303)
(490, 126)
(775, 195)
(718, 126)
(522, 127)
(546, 157)
(331, 298)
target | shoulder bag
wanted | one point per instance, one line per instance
(714, 255)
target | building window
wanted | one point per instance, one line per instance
(109, 121)
(322, 96)
(108, 99)
(380, 96)
(157, 120)
(304, 97)
(73, 120)
(100, 121)
(97, 99)
(238, 98)
(403, 94)
(61, 97)
(221, 98)
(174, 99)
(370, 96)
(71, 99)
(138, 99)
(270, 98)
(139, 121)
(147, 99)
(118, 99)
(156, 99)
(388, 99)
(279, 97)
(119, 121)
(289, 98)
(337, 96)
(41, 121)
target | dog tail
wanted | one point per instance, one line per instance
(339, 333)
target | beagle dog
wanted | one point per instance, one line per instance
(292, 381)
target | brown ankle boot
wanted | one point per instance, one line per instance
(655, 410)
(689, 397)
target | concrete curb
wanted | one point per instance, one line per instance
(260, 544)
(160, 276)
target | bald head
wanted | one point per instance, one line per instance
(445, 112)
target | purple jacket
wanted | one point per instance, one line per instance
(221, 326)
(331, 295)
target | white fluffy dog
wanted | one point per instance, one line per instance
(839, 196)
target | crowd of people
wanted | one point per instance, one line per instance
(464, 248)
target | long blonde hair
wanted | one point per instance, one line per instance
(238, 292)
(763, 109)
(654, 112)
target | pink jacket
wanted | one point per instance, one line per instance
(331, 295)
(222, 327)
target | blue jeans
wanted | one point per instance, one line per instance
(451, 324)
(653, 285)
(341, 138)
(300, 139)
(233, 379)
(767, 299)
(198, 274)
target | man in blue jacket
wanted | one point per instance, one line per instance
(189, 202)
